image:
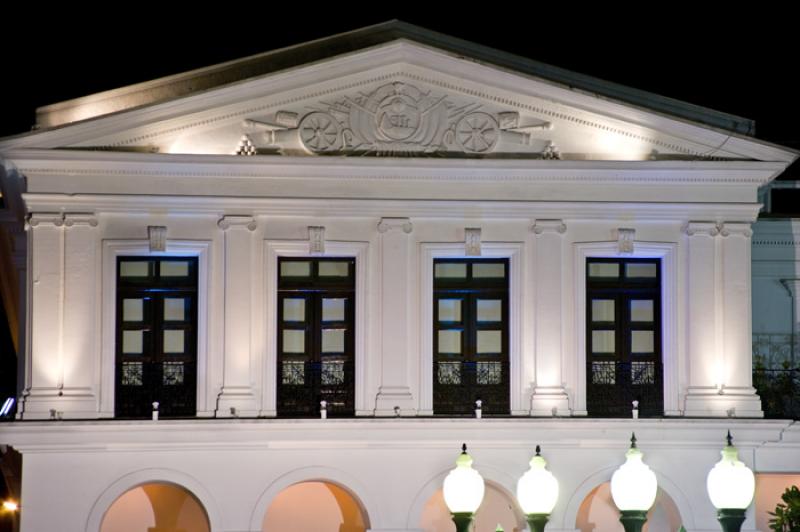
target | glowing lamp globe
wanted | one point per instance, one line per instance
(463, 487)
(537, 490)
(731, 484)
(633, 485)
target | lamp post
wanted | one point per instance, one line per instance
(731, 486)
(537, 493)
(463, 491)
(633, 488)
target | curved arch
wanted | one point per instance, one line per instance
(604, 475)
(501, 480)
(147, 476)
(316, 474)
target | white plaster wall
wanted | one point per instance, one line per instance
(52, 356)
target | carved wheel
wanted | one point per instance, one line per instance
(320, 132)
(477, 132)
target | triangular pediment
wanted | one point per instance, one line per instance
(405, 95)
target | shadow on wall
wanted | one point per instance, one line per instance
(334, 510)
(156, 506)
(599, 514)
(497, 508)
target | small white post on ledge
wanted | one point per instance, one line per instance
(155, 410)
(478, 409)
(635, 411)
(396, 411)
(323, 409)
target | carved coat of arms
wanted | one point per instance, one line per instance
(394, 119)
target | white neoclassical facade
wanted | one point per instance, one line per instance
(399, 224)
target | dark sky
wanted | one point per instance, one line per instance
(740, 63)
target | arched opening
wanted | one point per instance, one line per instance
(156, 507)
(599, 514)
(497, 508)
(315, 507)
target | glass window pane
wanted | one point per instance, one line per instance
(490, 341)
(449, 310)
(451, 270)
(640, 270)
(333, 309)
(132, 309)
(173, 341)
(488, 269)
(137, 268)
(295, 269)
(333, 340)
(294, 309)
(334, 269)
(133, 342)
(174, 268)
(294, 341)
(603, 310)
(490, 310)
(332, 372)
(174, 309)
(642, 310)
(450, 342)
(642, 341)
(603, 342)
(603, 269)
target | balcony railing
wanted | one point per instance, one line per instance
(778, 389)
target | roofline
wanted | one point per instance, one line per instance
(198, 80)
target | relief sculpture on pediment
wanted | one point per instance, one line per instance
(395, 119)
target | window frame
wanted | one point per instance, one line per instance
(206, 315)
(519, 306)
(313, 290)
(364, 320)
(673, 351)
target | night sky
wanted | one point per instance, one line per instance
(735, 63)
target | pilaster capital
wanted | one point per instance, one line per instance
(87, 219)
(37, 219)
(248, 222)
(736, 229)
(549, 226)
(389, 224)
(701, 229)
(792, 286)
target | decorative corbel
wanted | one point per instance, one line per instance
(625, 239)
(157, 234)
(226, 222)
(74, 219)
(316, 239)
(472, 241)
(549, 226)
(387, 224)
(701, 228)
(736, 228)
(45, 218)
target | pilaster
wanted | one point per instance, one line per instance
(549, 396)
(44, 368)
(394, 390)
(239, 395)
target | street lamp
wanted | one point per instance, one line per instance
(537, 493)
(463, 491)
(731, 486)
(633, 488)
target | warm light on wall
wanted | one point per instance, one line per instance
(10, 506)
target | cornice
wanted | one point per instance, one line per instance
(130, 165)
(378, 208)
